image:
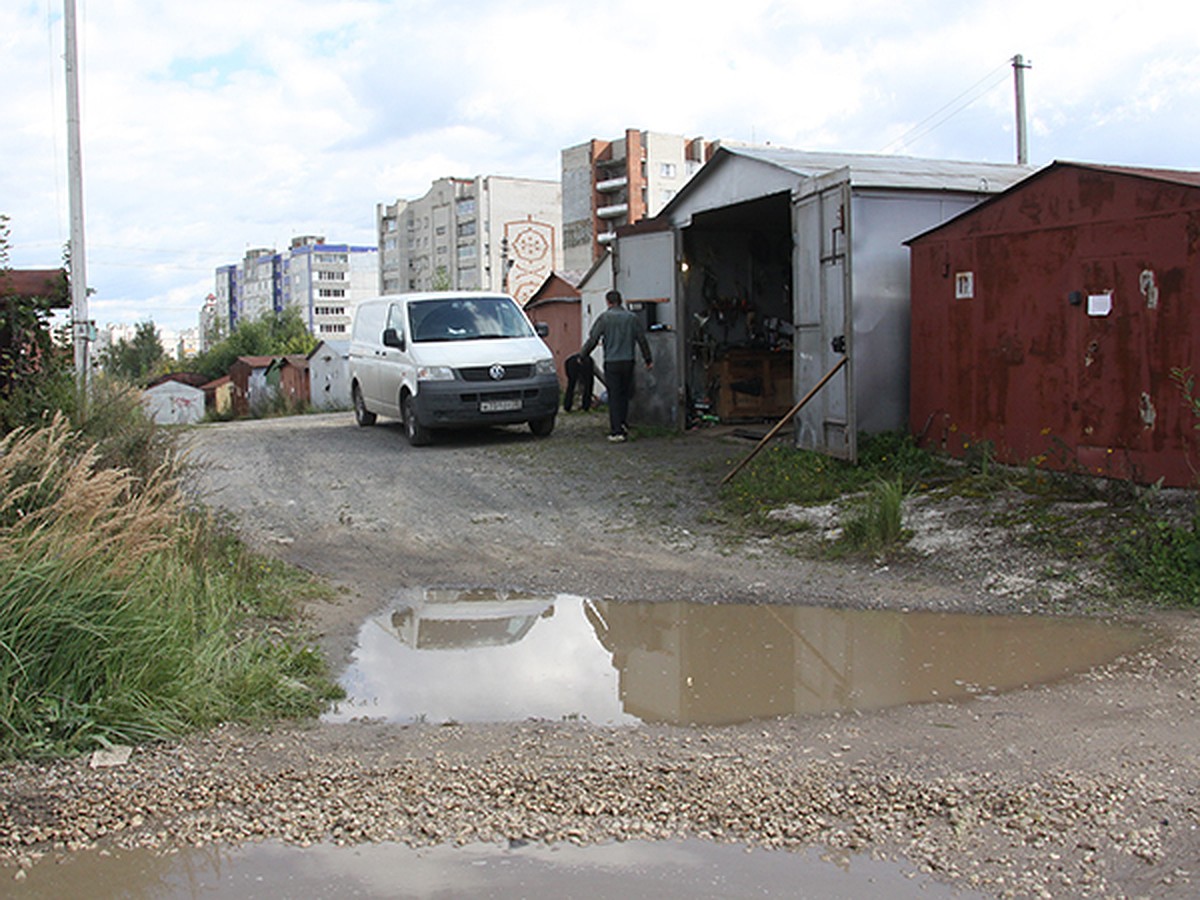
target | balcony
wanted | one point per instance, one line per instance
(612, 184)
(614, 211)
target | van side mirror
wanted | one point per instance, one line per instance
(542, 329)
(392, 338)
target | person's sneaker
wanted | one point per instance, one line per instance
(616, 438)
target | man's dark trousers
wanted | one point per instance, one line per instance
(619, 377)
(581, 372)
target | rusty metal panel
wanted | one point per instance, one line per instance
(1049, 321)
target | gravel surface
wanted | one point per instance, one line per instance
(1087, 787)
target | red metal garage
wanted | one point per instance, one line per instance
(1048, 321)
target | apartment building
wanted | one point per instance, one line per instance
(606, 184)
(491, 233)
(322, 280)
(325, 281)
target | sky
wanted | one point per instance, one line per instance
(212, 128)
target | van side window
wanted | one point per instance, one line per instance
(396, 318)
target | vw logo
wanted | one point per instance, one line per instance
(496, 372)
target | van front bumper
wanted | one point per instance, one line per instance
(460, 404)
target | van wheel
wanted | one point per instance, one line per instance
(418, 435)
(362, 415)
(542, 427)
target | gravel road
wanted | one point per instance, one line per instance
(1087, 787)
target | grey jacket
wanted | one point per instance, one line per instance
(619, 330)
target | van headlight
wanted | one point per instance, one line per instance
(435, 373)
(544, 367)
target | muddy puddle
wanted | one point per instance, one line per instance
(491, 656)
(668, 869)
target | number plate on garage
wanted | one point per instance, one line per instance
(499, 405)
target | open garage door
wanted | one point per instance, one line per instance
(645, 271)
(736, 277)
(821, 223)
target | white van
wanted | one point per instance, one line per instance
(450, 360)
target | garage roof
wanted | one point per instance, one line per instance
(1184, 177)
(762, 171)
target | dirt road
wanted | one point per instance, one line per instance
(1088, 787)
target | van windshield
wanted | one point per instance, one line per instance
(466, 319)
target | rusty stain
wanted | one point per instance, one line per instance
(1148, 288)
(1147, 411)
(1092, 350)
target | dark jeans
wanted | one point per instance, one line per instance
(581, 372)
(619, 377)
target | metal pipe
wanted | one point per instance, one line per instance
(791, 412)
(1019, 66)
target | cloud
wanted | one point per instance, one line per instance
(210, 128)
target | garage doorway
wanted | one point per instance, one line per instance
(736, 289)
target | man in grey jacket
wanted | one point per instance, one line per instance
(620, 331)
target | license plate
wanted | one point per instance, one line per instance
(499, 405)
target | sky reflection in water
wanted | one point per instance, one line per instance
(486, 656)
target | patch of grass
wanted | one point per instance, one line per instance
(875, 523)
(1161, 560)
(125, 616)
(779, 476)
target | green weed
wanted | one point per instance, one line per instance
(1161, 559)
(875, 523)
(783, 475)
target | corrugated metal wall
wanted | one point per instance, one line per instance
(1049, 320)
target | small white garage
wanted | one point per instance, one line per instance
(173, 403)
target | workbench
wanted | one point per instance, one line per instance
(754, 384)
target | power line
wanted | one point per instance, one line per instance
(993, 78)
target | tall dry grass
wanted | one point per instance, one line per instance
(125, 615)
(55, 501)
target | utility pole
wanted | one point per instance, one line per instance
(80, 325)
(1019, 66)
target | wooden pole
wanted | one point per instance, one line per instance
(778, 425)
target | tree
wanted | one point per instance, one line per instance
(35, 375)
(274, 334)
(135, 360)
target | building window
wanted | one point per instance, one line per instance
(331, 292)
(466, 229)
(666, 170)
(331, 276)
(466, 207)
(467, 251)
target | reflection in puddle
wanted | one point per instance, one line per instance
(668, 869)
(487, 656)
